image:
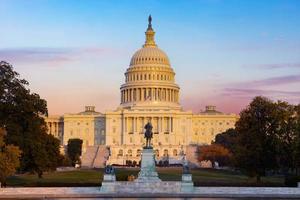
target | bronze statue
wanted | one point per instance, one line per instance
(150, 19)
(109, 169)
(148, 134)
(149, 22)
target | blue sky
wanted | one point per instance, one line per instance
(224, 52)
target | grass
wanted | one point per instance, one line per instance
(86, 177)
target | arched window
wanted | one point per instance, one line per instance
(120, 152)
(129, 152)
(157, 153)
(175, 152)
(138, 153)
(166, 153)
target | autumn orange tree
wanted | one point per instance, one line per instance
(215, 153)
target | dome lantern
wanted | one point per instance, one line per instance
(149, 34)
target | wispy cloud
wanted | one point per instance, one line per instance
(279, 66)
(49, 55)
(280, 80)
(246, 93)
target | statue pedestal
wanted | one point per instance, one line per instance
(148, 171)
(108, 183)
(187, 184)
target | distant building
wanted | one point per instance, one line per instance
(148, 94)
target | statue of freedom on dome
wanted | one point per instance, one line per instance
(148, 135)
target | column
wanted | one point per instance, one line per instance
(173, 95)
(133, 128)
(162, 124)
(125, 125)
(122, 130)
(57, 129)
(166, 95)
(142, 94)
(171, 124)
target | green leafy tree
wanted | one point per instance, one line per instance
(74, 150)
(227, 139)
(286, 131)
(9, 159)
(21, 112)
(256, 144)
(296, 144)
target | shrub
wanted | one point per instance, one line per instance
(291, 180)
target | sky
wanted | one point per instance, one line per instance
(224, 52)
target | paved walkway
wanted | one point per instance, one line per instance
(93, 192)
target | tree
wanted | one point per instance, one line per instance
(21, 112)
(74, 150)
(296, 144)
(214, 153)
(227, 139)
(9, 159)
(286, 131)
(256, 145)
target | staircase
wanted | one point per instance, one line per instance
(94, 157)
(101, 157)
(192, 156)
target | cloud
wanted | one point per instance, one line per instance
(49, 55)
(279, 66)
(33, 55)
(246, 93)
(281, 80)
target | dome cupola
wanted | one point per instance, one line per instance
(150, 80)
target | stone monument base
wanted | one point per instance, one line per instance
(148, 171)
(147, 181)
(108, 183)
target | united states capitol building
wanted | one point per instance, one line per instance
(149, 93)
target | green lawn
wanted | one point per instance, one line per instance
(201, 177)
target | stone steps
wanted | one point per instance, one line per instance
(101, 157)
(94, 157)
(88, 156)
(192, 156)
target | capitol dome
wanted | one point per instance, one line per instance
(150, 79)
(150, 55)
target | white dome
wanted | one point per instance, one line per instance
(150, 55)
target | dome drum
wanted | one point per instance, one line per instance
(150, 80)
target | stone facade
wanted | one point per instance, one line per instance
(149, 93)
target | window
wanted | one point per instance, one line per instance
(157, 153)
(138, 153)
(129, 152)
(175, 152)
(120, 152)
(166, 153)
